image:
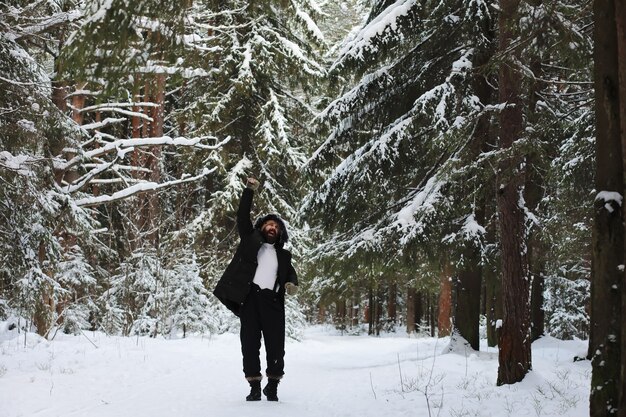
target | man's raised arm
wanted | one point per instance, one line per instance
(244, 223)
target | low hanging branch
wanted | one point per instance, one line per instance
(118, 150)
(123, 146)
(137, 189)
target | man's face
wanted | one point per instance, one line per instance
(270, 230)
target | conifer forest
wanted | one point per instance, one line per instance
(445, 167)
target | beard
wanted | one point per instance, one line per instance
(270, 236)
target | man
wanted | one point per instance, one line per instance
(253, 287)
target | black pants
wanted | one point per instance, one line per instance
(263, 312)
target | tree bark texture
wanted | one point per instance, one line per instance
(444, 318)
(608, 230)
(620, 20)
(514, 359)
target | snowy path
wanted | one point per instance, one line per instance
(326, 376)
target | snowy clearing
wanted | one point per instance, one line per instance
(326, 375)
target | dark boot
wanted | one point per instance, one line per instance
(271, 389)
(255, 391)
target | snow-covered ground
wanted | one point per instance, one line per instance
(326, 375)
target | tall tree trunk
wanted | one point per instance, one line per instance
(419, 309)
(431, 315)
(355, 308)
(468, 285)
(534, 194)
(536, 261)
(608, 229)
(493, 305)
(43, 316)
(514, 359)
(493, 285)
(154, 160)
(392, 305)
(411, 326)
(340, 314)
(620, 19)
(379, 303)
(444, 319)
(370, 312)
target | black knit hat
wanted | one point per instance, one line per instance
(283, 237)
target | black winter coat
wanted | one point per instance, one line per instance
(234, 285)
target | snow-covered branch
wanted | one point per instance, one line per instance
(124, 146)
(50, 22)
(142, 187)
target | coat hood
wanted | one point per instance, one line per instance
(283, 237)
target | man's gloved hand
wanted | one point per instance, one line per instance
(252, 183)
(291, 288)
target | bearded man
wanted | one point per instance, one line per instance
(253, 287)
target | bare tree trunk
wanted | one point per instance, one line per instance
(608, 229)
(514, 358)
(444, 320)
(411, 326)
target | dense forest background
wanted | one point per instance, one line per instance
(439, 165)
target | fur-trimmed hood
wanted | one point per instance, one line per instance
(283, 237)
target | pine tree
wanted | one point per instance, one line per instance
(391, 157)
(40, 265)
(259, 70)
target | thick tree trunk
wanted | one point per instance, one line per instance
(608, 231)
(514, 360)
(620, 19)
(444, 319)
